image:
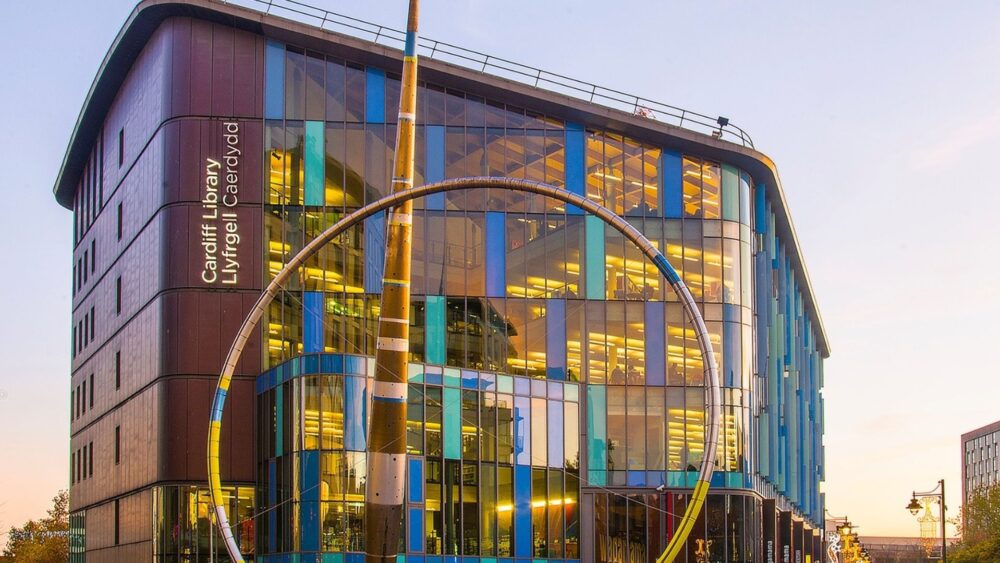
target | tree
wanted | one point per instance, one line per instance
(42, 541)
(980, 528)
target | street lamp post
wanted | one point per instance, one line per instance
(915, 506)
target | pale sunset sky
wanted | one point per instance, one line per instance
(884, 121)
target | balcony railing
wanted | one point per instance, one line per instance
(718, 127)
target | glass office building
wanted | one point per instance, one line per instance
(556, 405)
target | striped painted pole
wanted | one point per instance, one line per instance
(387, 434)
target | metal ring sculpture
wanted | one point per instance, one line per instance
(394, 199)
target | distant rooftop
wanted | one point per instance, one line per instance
(719, 127)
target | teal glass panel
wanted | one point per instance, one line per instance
(734, 480)
(452, 377)
(745, 198)
(730, 193)
(597, 432)
(594, 263)
(315, 172)
(435, 331)
(571, 392)
(505, 384)
(452, 423)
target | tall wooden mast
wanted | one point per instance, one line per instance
(384, 485)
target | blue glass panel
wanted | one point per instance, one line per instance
(416, 480)
(309, 522)
(310, 363)
(375, 95)
(452, 407)
(309, 475)
(315, 166)
(331, 363)
(575, 163)
(355, 414)
(538, 387)
(597, 434)
(760, 209)
(555, 432)
(274, 80)
(594, 262)
(671, 181)
(656, 478)
(496, 255)
(415, 523)
(354, 558)
(470, 379)
(636, 478)
(374, 252)
(655, 363)
(435, 337)
(522, 431)
(522, 511)
(312, 322)
(434, 171)
(522, 386)
(555, 339)
(555, 390)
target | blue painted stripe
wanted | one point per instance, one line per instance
(375, 95)
(274, 80)
(666, 269)
(410, 49)
(217, 405)
(388, 399)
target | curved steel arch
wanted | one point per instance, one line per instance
(396, 198)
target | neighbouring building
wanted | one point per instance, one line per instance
(980, 459)
(556, 405)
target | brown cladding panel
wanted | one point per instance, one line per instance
(215, 70)
(201, 68)
(180, 79)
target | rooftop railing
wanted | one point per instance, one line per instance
(718, 127)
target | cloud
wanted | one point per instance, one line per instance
(952, 145)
